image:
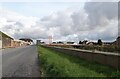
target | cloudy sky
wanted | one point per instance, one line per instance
(66, 21)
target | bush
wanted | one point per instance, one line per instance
(105, 48)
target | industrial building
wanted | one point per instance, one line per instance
(8, 42)
(27, 40)
(18, 43)
(5, 40)
(118, 40)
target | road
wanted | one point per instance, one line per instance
(20, 62)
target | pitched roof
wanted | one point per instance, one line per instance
(3, 34)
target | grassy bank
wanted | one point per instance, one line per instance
(57, 64)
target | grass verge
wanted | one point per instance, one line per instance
(57, 64)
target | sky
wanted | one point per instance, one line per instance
(64, 21)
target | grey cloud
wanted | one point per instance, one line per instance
(60, 20)
(79, 19)
(33, 34)
(100, 12)
(10, 21)
(8, 27)
(19, 24)
(46, 18)
(57, 19)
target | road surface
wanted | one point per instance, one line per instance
(20, 62)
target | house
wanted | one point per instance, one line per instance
(5, 40)
(39, 42)
(54, 42)
(27, 40)
(60, 42)
(90, 43)
(84, 42)
(18, 43)
(118, 40)
(15, 43)
(70, 42)
(107, 43)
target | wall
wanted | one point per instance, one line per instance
(18, 43)
(6, 42)
(15, 43)
(106, 59)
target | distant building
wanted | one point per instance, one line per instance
(39, 42)
(27, 40)
(70, 42)
(118, 40)
(108, 43)
(90, 43)
(84, 42)
(18, 43)
(15, 43)
(60, 42)
(5, 40)
(54, 42)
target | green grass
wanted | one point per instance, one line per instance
(57, 64)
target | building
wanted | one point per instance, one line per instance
(108, 43)
(38, 42)
(70, 42)
(18, 43)
(15, 43)
(118, 40)
(27, 40)
(60, 42)
(90, 43)
(5, 40)
(54, 42)
(23, 43)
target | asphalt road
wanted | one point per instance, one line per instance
(20, 62)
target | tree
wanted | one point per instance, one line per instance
(85, 42)
(99, 42)
(80, 42)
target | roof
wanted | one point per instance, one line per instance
(26, 39)
(118, 37)
(3, 34)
